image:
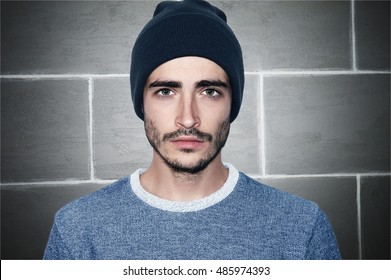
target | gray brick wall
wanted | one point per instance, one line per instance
(315, 120)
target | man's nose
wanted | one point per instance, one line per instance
(188, 112)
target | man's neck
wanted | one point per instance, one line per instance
(160, 180)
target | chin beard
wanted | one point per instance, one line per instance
(177, 167)
(218, 142)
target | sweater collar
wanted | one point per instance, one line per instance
(185, 206)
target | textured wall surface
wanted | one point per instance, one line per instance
(315, 119)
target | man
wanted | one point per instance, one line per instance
(187, 80)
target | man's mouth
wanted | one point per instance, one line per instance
(188, 135)
(188, 142)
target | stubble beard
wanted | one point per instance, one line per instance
(176, 166)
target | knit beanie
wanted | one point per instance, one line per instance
(186, 28)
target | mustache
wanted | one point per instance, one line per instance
(188, 132)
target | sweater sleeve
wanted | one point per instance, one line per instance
(56, 248)
(323, 244)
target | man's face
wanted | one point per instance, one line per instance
(187, 105)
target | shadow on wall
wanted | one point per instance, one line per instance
(27, 217)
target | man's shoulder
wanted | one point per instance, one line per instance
(272, 198)
(96, 202)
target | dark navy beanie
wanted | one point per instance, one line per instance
(186, 28)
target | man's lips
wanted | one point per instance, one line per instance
(187, 142)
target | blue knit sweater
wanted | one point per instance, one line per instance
(243, 220)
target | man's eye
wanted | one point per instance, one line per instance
(211, 93)
(164, 92)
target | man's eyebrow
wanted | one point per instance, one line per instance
(168, 84)
(211, 83)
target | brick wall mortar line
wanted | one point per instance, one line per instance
(63, 76)
(90, 126)
(317, 72)
(358, 197)
(264, 73)
(261, 126)
(12, 186)
(353, 35)
(331, 175)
